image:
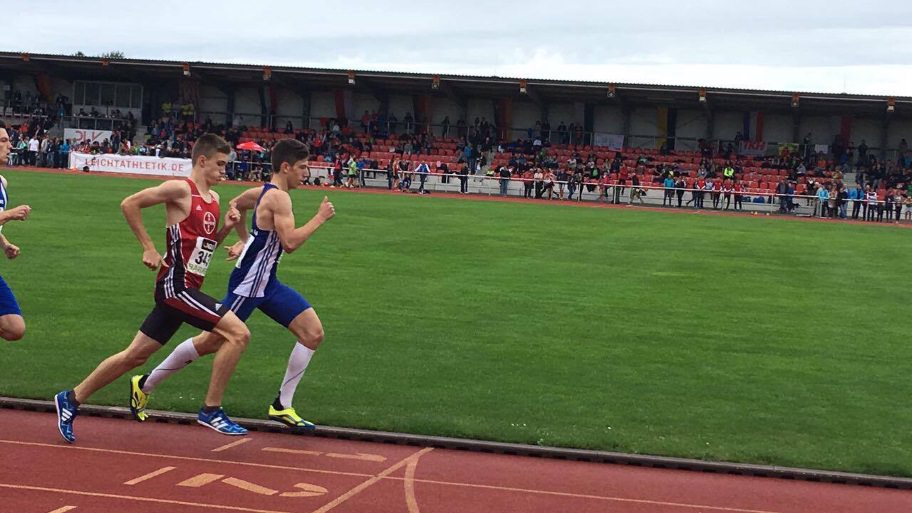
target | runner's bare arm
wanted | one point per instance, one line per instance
(11, 250)
(167, 192)
(232, 216)
(244, 202)
(19, 213)
(292, 238)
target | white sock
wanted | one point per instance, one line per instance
(297, 364)
(183, 355)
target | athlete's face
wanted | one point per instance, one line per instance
(296, 173)
(4, 146)
(214, 167)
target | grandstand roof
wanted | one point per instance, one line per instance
(457, 87)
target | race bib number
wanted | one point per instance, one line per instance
(201, 255)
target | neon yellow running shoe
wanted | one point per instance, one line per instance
(138, 399)
(290, 418)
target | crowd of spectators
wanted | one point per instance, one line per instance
(482, 150)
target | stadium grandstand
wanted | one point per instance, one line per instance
(791, 152)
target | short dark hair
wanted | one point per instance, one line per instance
(208, 145)
(290, 151)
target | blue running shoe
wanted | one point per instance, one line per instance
(220, 422)
(66, 413)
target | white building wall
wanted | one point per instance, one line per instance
(525, 114)
(322, 105)
(727, 124)
(25, 83)
(290, 108)
(608, 119)
(441, 107)
(643, 128)
(558, 112)
(61, 86)
(777, 128)
(478, 108)
(821, 128)
(400, 105)
(901, 129)
(691, 126)
(364, 102)
(213, 103)
(867, 129)
(247, 106)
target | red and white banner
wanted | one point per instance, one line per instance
(752, 148)
(134, 164)
(78, 135)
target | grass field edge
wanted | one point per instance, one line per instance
(606, 457)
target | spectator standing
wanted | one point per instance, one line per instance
(573, 184)
(464, 179)
(527, 183)
(726, 195)
(548, 183)
(504, 173)
(823, 197)
(562, 178)
(833, 201)
(64, 151)
(539, 177)
(635, 192)
(422, 171)
(669, 185)
(707, 189)
(870, 203)
(842, 196)
(680, 186)
(853, 197)
(716, 193)
(33, 147)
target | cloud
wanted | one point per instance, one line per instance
(811, 46)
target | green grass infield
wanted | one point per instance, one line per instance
(737, 338)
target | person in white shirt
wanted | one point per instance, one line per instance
(538, 176)
(871, 200)
(33, 151)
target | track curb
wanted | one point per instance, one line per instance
(500, 447)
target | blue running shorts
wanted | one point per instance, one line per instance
(8, 303)
(281, 303)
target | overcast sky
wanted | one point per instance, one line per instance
(816, 46)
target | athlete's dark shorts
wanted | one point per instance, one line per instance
(8, 304)
(190, 306)
(281, 303)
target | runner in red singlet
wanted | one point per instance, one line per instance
(192, 212)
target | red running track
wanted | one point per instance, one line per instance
(124, 466)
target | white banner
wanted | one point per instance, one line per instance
(131, 164)
(752, 148)
(612, 141)
(821, 148)
(78, 135)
